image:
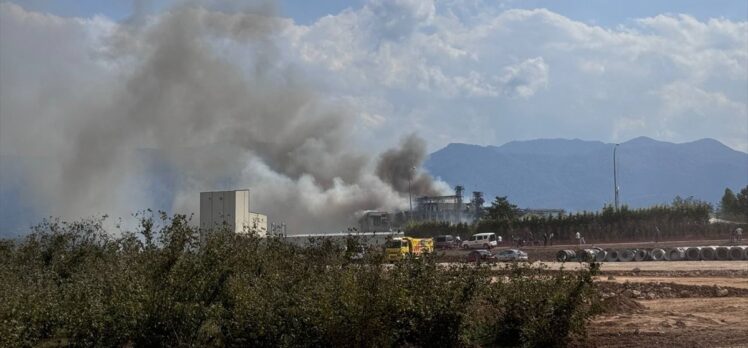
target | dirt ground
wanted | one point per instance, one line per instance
(675, 322)
(677, 304)
(659, 303)
(741, 283)
(662, 266)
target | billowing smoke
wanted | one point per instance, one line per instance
(207, 95)
(400, 168)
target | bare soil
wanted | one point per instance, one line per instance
(643, 309)
(676, 322)
(661, 266)
(741, 283)
(658, 303)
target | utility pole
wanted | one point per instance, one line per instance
(615, 178)
(410, 195)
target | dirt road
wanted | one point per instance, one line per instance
(681, 322)
(741, 283)
(657, 265)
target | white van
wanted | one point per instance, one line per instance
(482, 241)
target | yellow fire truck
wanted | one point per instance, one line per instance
(398, 248)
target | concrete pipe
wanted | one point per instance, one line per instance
(627, 255)
(602, 255)
(658, 254)
(587, 255)
(676, 254)
(613, 255)
(693, 254)
(723, 253)
(641, 255)
(709, 253)
(565, 255)
(737, 252)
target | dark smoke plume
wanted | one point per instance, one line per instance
(400, 167)
(210, 94)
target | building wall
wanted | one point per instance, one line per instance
(229, 207)
(258, 223)
(374, 221)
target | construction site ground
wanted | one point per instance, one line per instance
(652, 303)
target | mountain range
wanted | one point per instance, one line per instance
(577, 175)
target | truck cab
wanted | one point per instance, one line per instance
(399, 248)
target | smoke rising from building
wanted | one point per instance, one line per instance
(400, 167)
(210, 95)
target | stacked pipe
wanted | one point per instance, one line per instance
(738, 253)
(694, 253)
(566, 255)
(709, 253)
(658, 254)
(676, 254)
(723, 253)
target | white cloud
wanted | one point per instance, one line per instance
(494, 64)
(525, 78)
(451, 69)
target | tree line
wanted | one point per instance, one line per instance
(683, 218)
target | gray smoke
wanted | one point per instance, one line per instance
(400, 167)
(211, 94)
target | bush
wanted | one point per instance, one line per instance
(163, 285)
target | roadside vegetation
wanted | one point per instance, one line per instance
(734, 206)
(164, 285)
(683, 218)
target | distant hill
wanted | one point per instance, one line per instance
(578, 175)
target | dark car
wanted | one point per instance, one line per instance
(445, 242)
(482, 255)
(511, 255)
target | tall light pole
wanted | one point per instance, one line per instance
(410, 196)
(615, 178)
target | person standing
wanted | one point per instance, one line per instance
(545, 239)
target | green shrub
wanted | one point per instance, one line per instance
(164, 285)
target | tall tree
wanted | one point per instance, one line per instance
(741, 204)
(728, 204)
(501, 210)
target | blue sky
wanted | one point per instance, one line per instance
(603, 12)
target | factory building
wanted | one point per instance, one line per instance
(231, 210)
(452, 209)
(374, 221)
(258, 223)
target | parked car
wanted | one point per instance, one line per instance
(511, 255)
(446, 242)
(486, 240)
(481, 255)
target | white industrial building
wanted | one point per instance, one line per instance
(258, 223)
(232, 210)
